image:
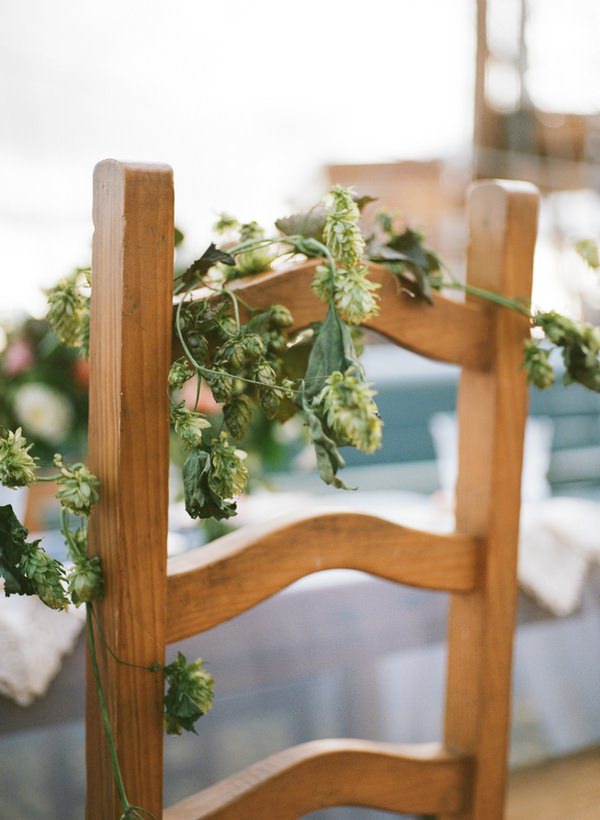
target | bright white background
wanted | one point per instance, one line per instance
(246, 100)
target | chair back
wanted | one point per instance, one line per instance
(151, 602)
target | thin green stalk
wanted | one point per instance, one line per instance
(114, 656)
(482, 293)
(68, 535)
(236, 308)
(112, 750)
(490, 296)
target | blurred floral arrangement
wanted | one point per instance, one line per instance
(43, 389)
(239, 367)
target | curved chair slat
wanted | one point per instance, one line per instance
(214, 583)
(449, 331)
(423, 779)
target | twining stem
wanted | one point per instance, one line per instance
(490, 296)
(112, 750)
(129, 810)
(68, 535)
(154, 668)
(236, 308)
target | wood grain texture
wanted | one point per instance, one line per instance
(422, 779)
(130, 353)
(492, 409)
(216, 582)
(132, 267)
(448, 331)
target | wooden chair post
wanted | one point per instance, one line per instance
(502, 221)
(129, 451)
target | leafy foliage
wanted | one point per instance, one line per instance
(201, 501)
(580, 346)
(417, 267)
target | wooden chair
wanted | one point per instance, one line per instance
(151, 602)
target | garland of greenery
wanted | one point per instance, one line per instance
(254, 366)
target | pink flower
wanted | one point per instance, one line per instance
(18, 357)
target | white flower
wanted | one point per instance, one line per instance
(43, 412)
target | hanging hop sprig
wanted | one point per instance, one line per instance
(580, 344)
(348, 285)
(68, 312)
(346, 403)
(17, 467)
(189, 695)
(77, 487)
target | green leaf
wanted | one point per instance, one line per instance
(211, 256)
(329, 459)
(417, 267)
(332, 351)
(363, 201)
(310, 225)
(13, 546)
(200, 500)
(179, 237)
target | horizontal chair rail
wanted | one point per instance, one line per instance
(454, 332)
(423, 779)
(211, 584)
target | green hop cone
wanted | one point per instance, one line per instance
(68, 311)
(354, 295)
(77, 487)
(188, 425)
(228, 475)
(17, 467)
(280, 316)
(238, 415)
(321, 284)
(221, 385)
(46, 575)
(198, 346)
(180, 372)
(227, 327)
(189, 695)
(347, 404)
(537, 365)
(225, 223)
(238, 351)
(255, 260)
(341, 232)
(85, 580)
(580, 344)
